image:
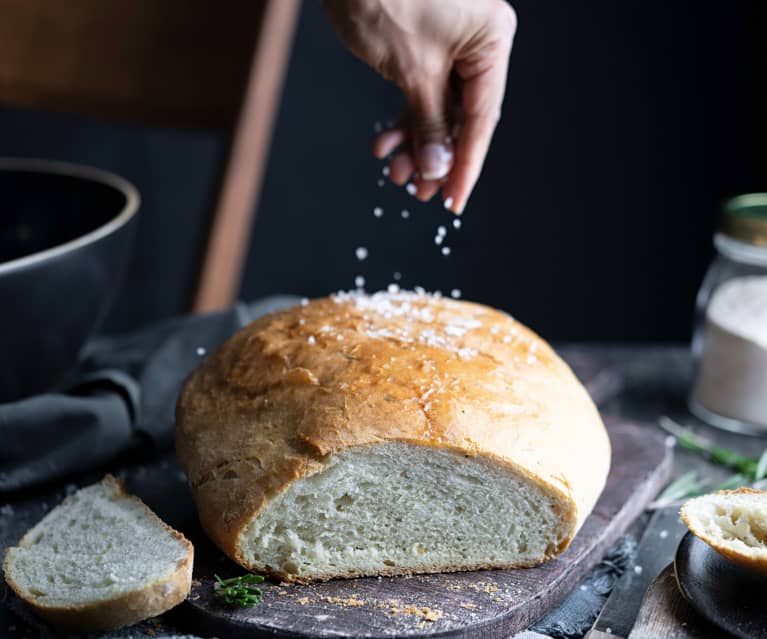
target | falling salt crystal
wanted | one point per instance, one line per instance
(381, 182)
(448, 202)
(385, 170)
(397, 275)
(311, 339)
(359, 281)
(405, 214)
(663, 534)
(393, 288)
(378, 211)
(441, 230)
(456, 223)
(411, 188)
(201, 351)
(304, 301)
(361, 252)
(638, 570)
(445, 251)
(377, 127)
(455, 293)
(438, 239)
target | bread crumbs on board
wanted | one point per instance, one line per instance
(484, 586)
(349, 602)
(424, 612)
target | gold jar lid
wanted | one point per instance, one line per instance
(745, 218)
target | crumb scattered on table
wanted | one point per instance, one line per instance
(351, 602)
(424, 612)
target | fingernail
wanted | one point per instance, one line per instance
(435, 161)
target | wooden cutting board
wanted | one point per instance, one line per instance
(497, 603)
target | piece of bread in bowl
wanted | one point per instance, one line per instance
(389, 434)
(732, 522)
(100, 560)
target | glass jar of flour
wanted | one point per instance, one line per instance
(730, 335)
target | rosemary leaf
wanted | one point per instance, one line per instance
(719, 455)
(238, 591)
(687, 485)
(732, 482)
(761, 467)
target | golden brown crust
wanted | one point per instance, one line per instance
(298, 385)
(122, 610)
(743, 490)
(732, 554)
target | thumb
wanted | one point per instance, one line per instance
(430, 129)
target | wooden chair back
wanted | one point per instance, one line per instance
(178, 63)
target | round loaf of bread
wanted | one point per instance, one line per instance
(391, 433)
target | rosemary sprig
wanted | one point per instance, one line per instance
(751, 471)
(753, 468)
(239, 591)
(733, 482)
(684, 486)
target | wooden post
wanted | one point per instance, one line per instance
(232, 220)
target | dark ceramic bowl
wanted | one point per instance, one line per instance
(65, 239)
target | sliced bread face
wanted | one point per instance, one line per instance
(400, 508)
(100, 560)
(734, 523)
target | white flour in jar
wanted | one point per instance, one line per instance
(732, 376)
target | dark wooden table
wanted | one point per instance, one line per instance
(637, 382)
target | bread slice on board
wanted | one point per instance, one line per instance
(733, 522)
(386, 434)
(100, 560)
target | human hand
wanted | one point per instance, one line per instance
(450, 58)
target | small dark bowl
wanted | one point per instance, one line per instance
(65, 239)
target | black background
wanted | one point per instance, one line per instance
(625, 124)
